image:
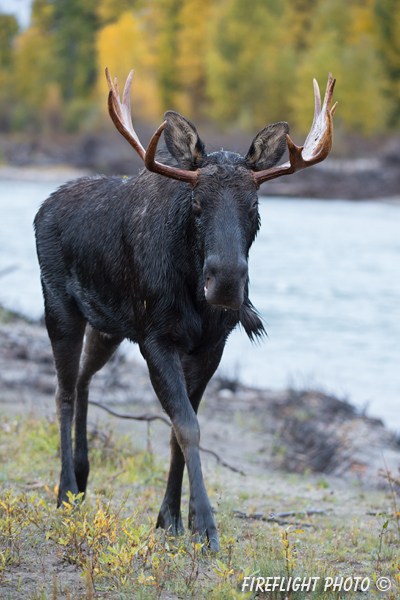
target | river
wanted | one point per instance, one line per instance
(325, 276)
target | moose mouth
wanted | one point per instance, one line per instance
(206, 289)
(225, 280)
(219, 296)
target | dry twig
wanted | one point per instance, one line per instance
(275, 517)
(150, 417)
(390, 476)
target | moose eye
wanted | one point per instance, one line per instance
(253, 206)
(196, 206)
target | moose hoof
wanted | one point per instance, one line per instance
(213, 542)
(170, 522)
(205, 532)
(66, 497)
(209, 541)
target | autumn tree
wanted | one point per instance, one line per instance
(249, 66)
(8, 31)
(122, 45)
(227, 61)
(193, 45)
(343, 41)
(109, 11)
(387, 13)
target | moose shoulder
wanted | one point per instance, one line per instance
(160, 259)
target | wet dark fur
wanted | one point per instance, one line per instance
(126, 257)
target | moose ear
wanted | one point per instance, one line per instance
(268, 146)
(183, 141)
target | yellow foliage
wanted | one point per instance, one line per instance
(34, 61)
(193, 42)
(363, 106)
(362, 20)
(53, 108)
(349, 53)
(249, 65)
(227, 61)
(121, 46)
(110, 10)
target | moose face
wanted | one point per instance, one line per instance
(225, 209)
(224, 184)
(224, 203)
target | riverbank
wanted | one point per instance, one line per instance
(352, 172)
(293, 478)
(297, 431)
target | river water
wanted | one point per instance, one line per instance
(325, 275)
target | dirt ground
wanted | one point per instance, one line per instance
(250, 429)
(271, 452)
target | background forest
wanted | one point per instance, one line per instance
(230, 63)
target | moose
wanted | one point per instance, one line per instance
(160, 259)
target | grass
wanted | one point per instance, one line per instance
(107, 547)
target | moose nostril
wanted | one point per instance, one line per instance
(234, 271)
(210, 269)
(243, 269)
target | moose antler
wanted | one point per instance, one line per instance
(318, 143)
(152, 165)
(120, 114)
(316, 147)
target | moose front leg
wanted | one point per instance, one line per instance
(168, 379)
(198, 371)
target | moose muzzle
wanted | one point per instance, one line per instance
(224, 284)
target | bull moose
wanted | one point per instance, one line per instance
(160, 259)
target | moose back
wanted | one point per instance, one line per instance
(160, 259)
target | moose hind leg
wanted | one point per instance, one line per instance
(98, 349)
(169, 516)
(66, 332)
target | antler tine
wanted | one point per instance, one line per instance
(121, 113)
(113, 92)
(173, 172)
(116, 86)
(329, 91)
(126, 107)
(317, 97)
(317, 102)
(318, 143)
(126, 96)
